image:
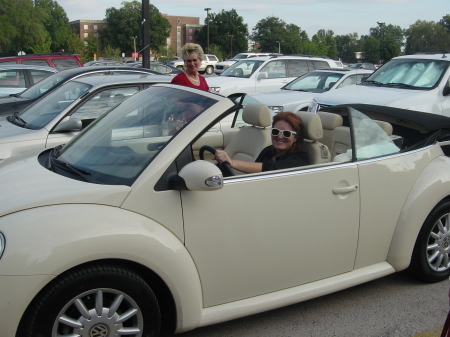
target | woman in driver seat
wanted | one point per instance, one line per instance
(285, 151)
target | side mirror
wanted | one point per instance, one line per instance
(199, 175)
(71, 124)
(262, 76)
(446, 91)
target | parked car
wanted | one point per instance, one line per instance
(157, 67)
(207, 65)
(16, 78)
(298, 94)
(60, 61)
(259, 74)
(417, 82)
(18, 102)
(120, 224)
(362, 65)
(221, 66)
(68, 109)
(103, 63)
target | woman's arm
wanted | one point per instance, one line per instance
(243, 166)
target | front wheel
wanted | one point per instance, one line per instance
(102, 300)
(431, 256)
(209, 70)
(180, 67)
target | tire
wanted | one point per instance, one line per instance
(430, 260)
(209, 70)
(180, 67)
(68, 306)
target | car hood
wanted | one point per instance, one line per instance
(367, 95)
(10, 132)
(282, 97)
(224, 81)
(26, 184)
(10, 99)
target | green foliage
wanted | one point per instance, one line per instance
(227, 31)
(427, 36)
(390, 40)
(445, 21)
(125, 22)
(166, 53)
(324, 44)
(347, 46)
(43, 45)
(92, 47)
(111, 53)
(216, 50)
(371, 49)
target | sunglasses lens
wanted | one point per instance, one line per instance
(287, 134)
(275, 132)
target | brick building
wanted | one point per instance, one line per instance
(182, 31)
(85, 27)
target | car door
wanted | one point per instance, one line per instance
(276, 76)
(270, 231)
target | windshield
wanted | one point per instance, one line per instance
(120, 144)
(38, 115)
(314, 82)
(421, 74)
(239, 57)
(41, 87)
(244, 68)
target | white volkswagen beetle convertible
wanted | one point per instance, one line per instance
(125, 231)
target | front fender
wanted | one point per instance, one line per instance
(50, 240)
(432, 186)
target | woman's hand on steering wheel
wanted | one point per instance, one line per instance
(226, 165)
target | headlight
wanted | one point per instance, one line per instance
(215, 89)
(2, 244)
(313, 106)
(276, 108)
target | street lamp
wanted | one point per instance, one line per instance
(134, 41)
(207, 28)
(381, 25)
(279, 48)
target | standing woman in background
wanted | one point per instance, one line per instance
(192, 55)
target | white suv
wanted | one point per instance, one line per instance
(257, 74)
(415, 82)
(224, 65)
(207, 65)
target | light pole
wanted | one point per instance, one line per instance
(207, 29)
(279, 46)
(134, 42)
(381, 25)
(231, 43)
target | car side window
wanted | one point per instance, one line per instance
(350, 80)
(39, 75)
(297, 67)
(320, 64)
(36, 62)
(275, 69)
(62, 64)
(12, 78)
(103, 101)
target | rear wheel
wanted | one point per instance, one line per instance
(101, 300)
(209, 70)
(431, 256)
(180, 67)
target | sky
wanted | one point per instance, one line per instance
(341, 16)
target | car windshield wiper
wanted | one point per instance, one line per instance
(53, 159)
(373, 82)
(15, 95)
(403, 85)
(16, 119)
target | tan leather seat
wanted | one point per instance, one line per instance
(335, 136)
(247, 144)
(313, 132)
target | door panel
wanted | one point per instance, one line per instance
(266, 232)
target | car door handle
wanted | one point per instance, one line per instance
(344, 190)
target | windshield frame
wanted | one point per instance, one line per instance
(250, 60)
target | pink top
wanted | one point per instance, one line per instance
(182, 79)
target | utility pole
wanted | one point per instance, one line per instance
(145, 25)
(134, 42)
(207, 29)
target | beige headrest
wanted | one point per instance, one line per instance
(257, 114)
(329, 120)
(387, 127)
(312, 125)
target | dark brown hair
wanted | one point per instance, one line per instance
(297, 124)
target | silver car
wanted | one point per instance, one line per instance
(67, 110)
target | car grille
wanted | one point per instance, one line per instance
(219, 67)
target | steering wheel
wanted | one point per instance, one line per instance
(225, 165)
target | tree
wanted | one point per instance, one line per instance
(323, 44)
(125, 22)
(347, 46)
(390, 39)
(56, 23)
(371, 49)
(227, 30)
(272, 29)
(426, 36)
(445, 21)
(20, 25)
